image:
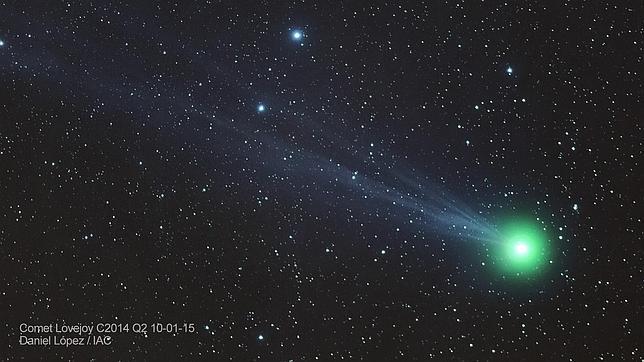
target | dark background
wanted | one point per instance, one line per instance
(140, 184)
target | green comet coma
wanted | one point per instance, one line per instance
(522, 250)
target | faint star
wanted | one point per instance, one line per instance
(509, 70)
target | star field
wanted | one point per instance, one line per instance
(324, 181)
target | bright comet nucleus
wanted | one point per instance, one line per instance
(522, 249)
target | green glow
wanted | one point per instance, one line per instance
(522, 250)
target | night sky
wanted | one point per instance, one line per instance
(324, 181)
